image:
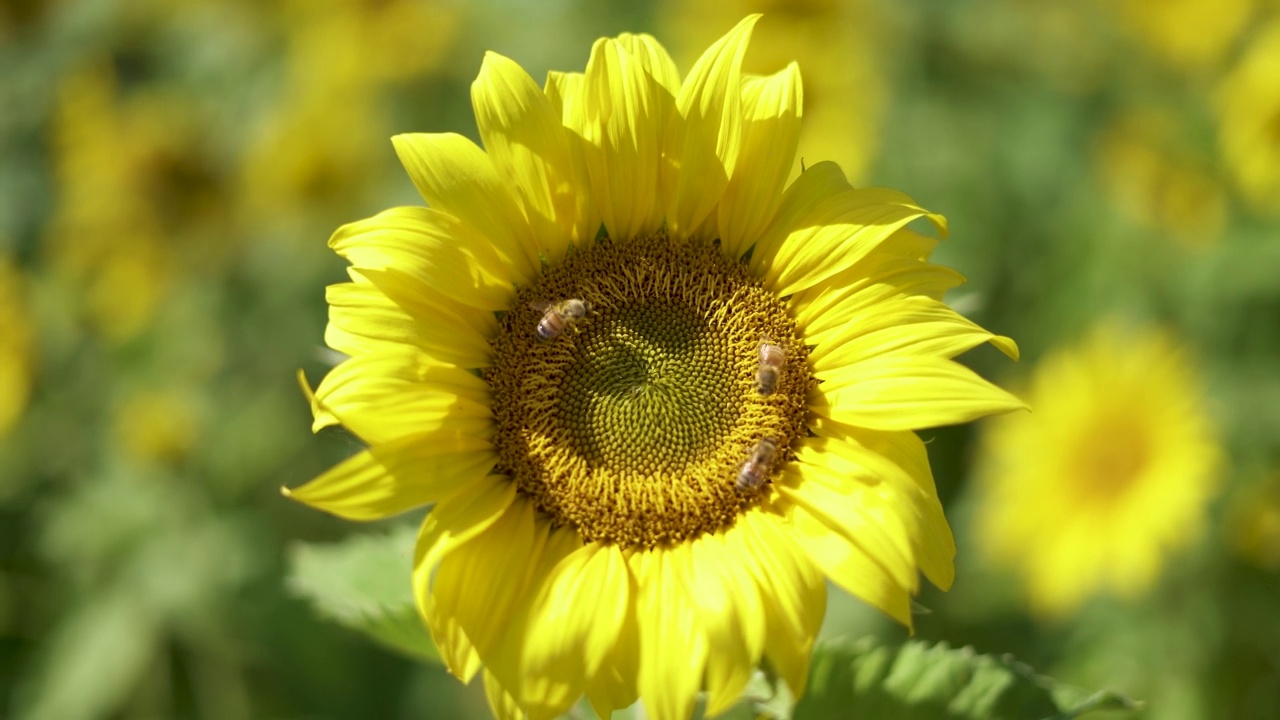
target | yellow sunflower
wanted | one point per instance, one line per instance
(1151, 176)
(1249, 121)
(1113, 470)
(106, 237)
(1188, 34)
(1253, 524)
(572, 355)
(17, 345)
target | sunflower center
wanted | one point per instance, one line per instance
(625, 390)
(1116, 453)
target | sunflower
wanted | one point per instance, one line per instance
(1186, 34)
(1152, 178)
(17, 345)
(1253, 526)
(106, 237)
(1112, 472)
(1248, 105)
(655, 396)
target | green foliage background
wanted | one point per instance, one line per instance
(170, 172)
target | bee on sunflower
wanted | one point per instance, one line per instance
(590, 532)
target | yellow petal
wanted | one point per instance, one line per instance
(384, 396)
(792, 588)
(455, 176)
(655, 60)
(838, 232)
(576, 610)
(614, 686)
(435, 248)
(322, 418)
(564, 90)
(898, 465)
(436, 314)
(850, 568)
(452, 522)
(501, 704)
(907, 393)
(913, 325)
(365, 319)
(851, 501)
(903, 448)
(480, 584)
(400, 475)
(934, 546)
(527, 143)
(823, 307)
(625, 105)
(908, 243)
(362, 319)
(456, 651)
(729, 610)
(704, 140)
(771, 109)
(458, 518)
(673, 649)
(815, 187)
(566, 93)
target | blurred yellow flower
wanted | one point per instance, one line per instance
(657, 397)
(1110, 472)
(1254, 524)
(17, 345)
(308, 154)
(106, 237)
(348, 44)
(322, 142)
(156, 425)
(1156, 182)
(838, 46)
(1249, 120)
(1186, 34)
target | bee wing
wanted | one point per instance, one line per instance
(540, 305)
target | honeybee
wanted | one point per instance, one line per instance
(559, 315)
(772, 358)
(756, 469)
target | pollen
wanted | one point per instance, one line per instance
(632, 424)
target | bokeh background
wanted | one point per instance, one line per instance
(171, 170)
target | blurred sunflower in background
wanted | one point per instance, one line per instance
(1254, 527)
(1249, 120)
(321, 139)
(1186, 34)
(1110, 474)
(17, 346)
(656, 396)
(1156, 181)
(111, 248)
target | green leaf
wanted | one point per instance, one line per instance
(364, 583)
(766, 696)
(868, 680)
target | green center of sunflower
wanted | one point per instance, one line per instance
(632, 422)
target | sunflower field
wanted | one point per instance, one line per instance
(787, 359)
